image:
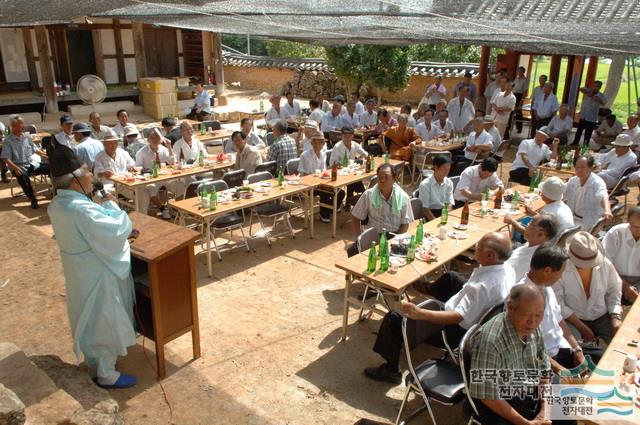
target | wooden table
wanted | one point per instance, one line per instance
(37, 137)
(214, 135)
(397, 283)
(434, 146)
(563, 173)
(337, 185)
(191, 207)
(164, 269)
(138, 185)
(613, 360)
(195, 124)
(363, 134)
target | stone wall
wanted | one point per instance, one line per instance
(309, 84)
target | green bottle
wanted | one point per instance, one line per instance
(345, 160)
(532, 184)
(201, 159)
(382, 244)
(154, 170)
(514, 201)
(371, 264)
(261, 105)
(444, 215)
(202, 129)
(386, 158)
(420, 232)
(213, 200)
(485, 193)
(280, 177)
(411, 252)
(384, 258)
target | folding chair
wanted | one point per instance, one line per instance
(351, 201)
(234, 178)
(212, 124)
(561, 238)
(599, 228)
(31, 129)
(621, 187)
(292, 166)
(466, 344)
(434, 380)
(224, 223)
(271, 210)
(500, 151)
(328, 156)
(416, 207)
(270, 166)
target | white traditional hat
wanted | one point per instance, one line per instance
(553, 188)
(584, 250)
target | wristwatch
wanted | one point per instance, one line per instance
(575, 350)
(615, 316)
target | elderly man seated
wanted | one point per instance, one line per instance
(633, 131)
(606, 133)
(589, 291)
(284, 148)
(465, 302)
(303, 136)
(436, 191)
(170, 129)
(614, 162)
(511, 341)
(65, 135)
(351, 116)
(443, 123)
(492, 130)
(334, 120)
(22, 158)
(369, 118)
(87, 147)
(551, 191)
(250, 136)
(541, 229)
(474, 180)
(622, 247)
(385, 205)
(316, 113)
(291, 107)
(586, 195)
(397, 140)
(479, 144)
(131, 140)
(426, 130)
(347, 149)
(123, 121)
(560, 125)
(98, 131)
(201, 109)
(112, 161)
(531, 154)
(461, 111)
(188, 148)
(247, 157)
(158, 151)
(275, 113)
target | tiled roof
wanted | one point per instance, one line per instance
(417, 68)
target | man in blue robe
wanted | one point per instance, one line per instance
(96, 260)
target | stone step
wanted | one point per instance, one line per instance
(23, 377)
(58, 409)
(11, 408)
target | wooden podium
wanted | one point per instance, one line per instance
(164, 272)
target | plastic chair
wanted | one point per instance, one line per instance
(561, 238)
(270, 166)
(234, 178)
(292, 166)
(500, 151)
(31, 129)
(270, 210)
(416, 207)
(464, 361)
(213, 124)
(621, 187)
(434, 380)
(454, 180)
(226, 222)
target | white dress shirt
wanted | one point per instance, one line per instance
(586, 201)
(554, 338)
(604, 295)
(437, 93)
(384, 217)
(189, 153)
(623, 250)
(254, 140)
(118, 165)
(558, 126)
(634, 134)
(446, 129)
(337, 154)
(66, 139)
(427, 134)
(287, 110)
(616, 166)
(470, 179)
(487, 286)
(368, 119)
(503, 100)
(535, 154)
(310, 162)
(354, 119)
(496, 138)
(359, 108)
(545, 107)
(118, 129)
(434, 195)
(561, 212)
(145, 157)
(316, 115)
(482, 139)
(520, 260)
(520, 85)
(460, 115)
(248, 159)
(273, 115)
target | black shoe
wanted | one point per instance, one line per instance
(34, 203)
(382, 374)
(5, 179)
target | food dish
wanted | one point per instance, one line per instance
(454, 234)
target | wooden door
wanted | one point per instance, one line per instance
(80, 50)
(161, 51)
(192, 53)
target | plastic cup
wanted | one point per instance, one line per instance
(317, 173)
(245, 182)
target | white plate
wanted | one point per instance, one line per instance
(453, 234)
(460, 226)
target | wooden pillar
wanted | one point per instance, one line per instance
(218, 68)
(46, 71)
(31, 62)
(567, 78)
(138, 46)
(574, 83)
(207, 54)
(554, 71)
(98, 53)
(592, 69)
(117, 35)
(485, 52)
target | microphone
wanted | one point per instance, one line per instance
(98, 188)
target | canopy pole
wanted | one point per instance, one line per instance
(485, 52)
(635, 79)
(628, 86)
(50, 99)
(218, 68)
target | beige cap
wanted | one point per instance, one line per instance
(553, 188)
(622, 140)
(130, 130)
(584, 250)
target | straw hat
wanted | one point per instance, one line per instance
(584, 250)
(553, 188)
(311, 124)
(622, 140)
(111, 137)
(130, 130)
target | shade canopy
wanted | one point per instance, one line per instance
(586, 27)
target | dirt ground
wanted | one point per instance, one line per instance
(270, 323)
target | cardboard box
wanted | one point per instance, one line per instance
(159, 99)
(156, 85)
(181, 81)
(159, 112)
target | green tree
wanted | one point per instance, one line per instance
(292, 49)
(383, 67)
(449, 53)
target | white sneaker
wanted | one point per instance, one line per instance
(325, 220)
(166, 214)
